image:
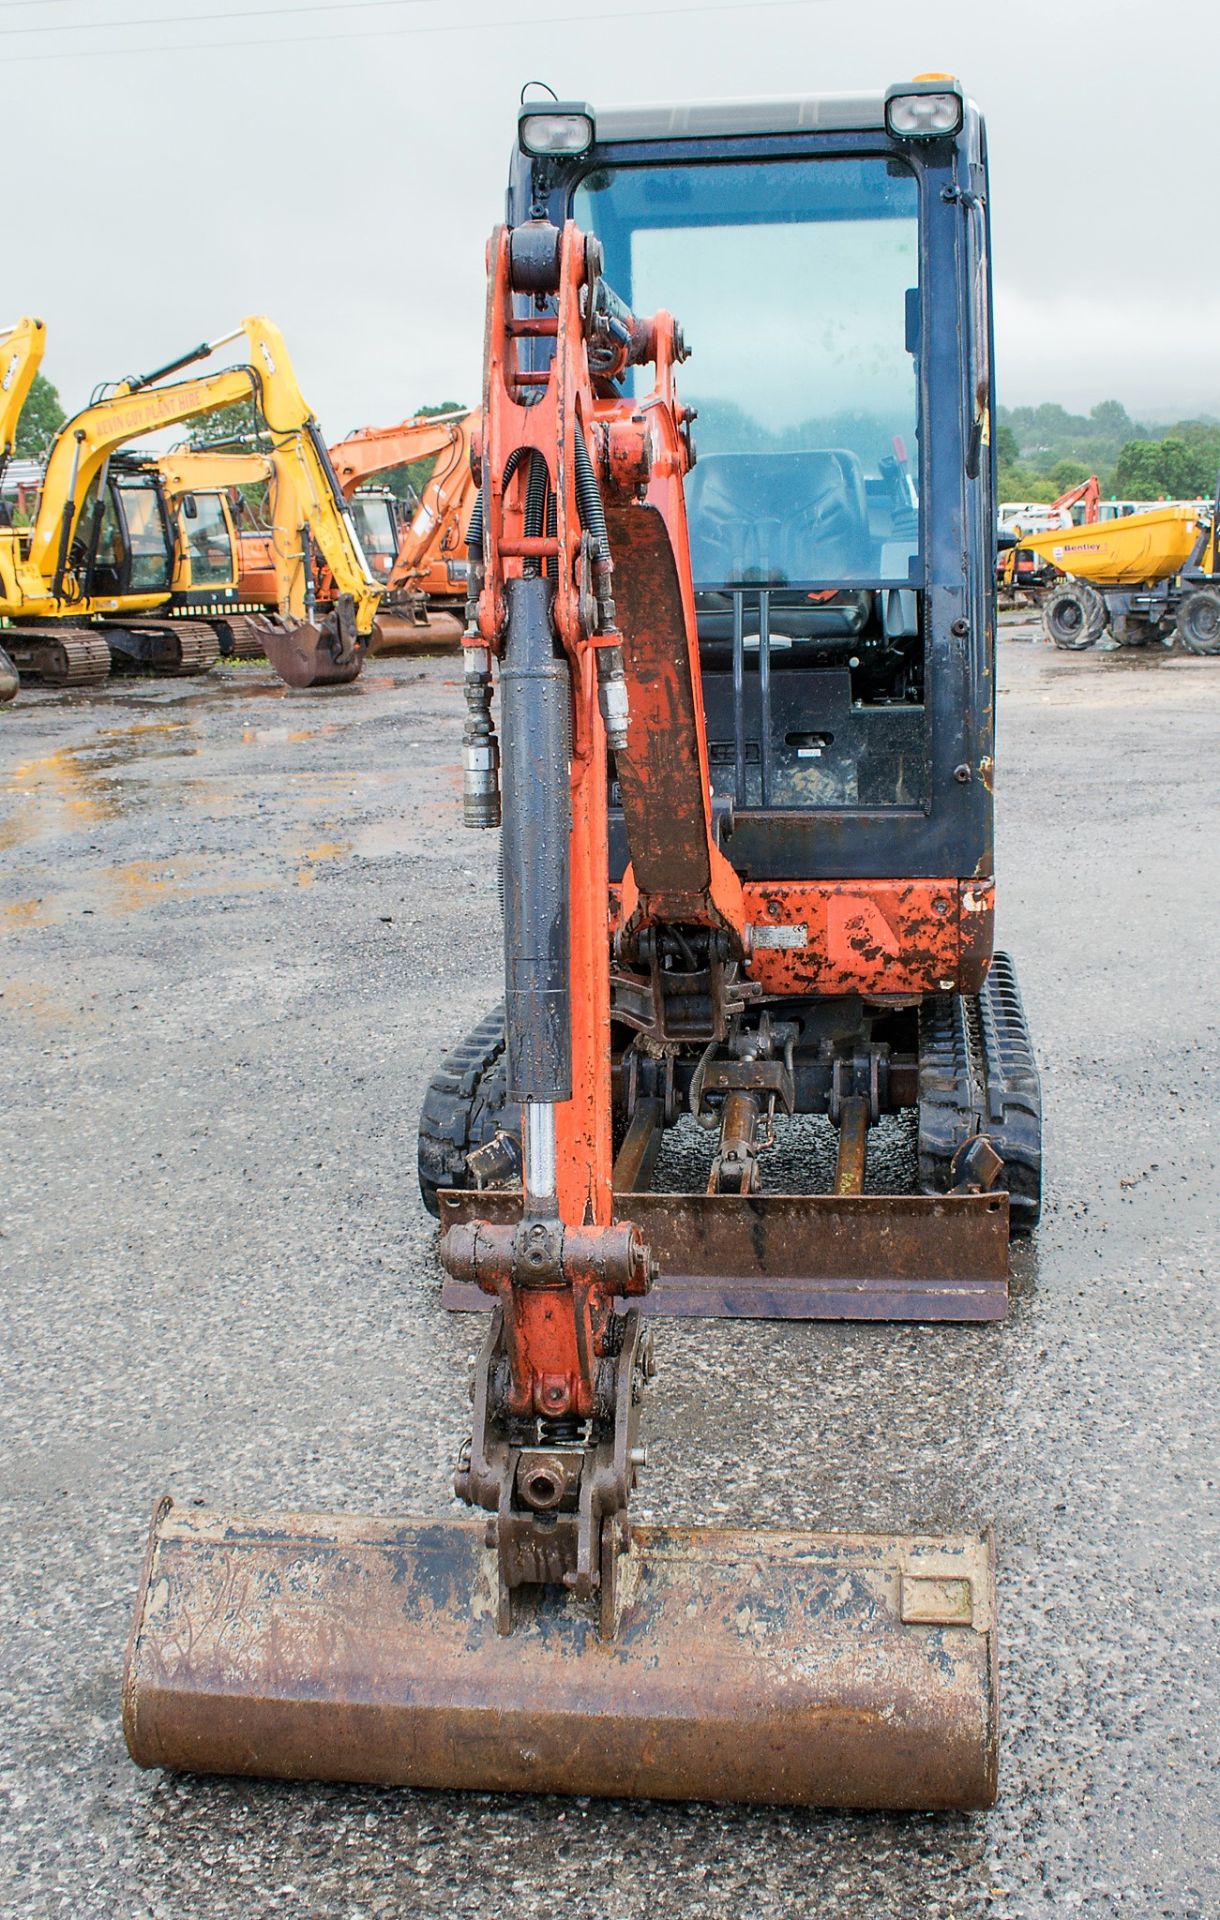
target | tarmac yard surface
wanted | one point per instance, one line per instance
(240, 925)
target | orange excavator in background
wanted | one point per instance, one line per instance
(1087, 496)
(427, 575)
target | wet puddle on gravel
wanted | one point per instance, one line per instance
(56, 793)
(312, 857)
(284, 736)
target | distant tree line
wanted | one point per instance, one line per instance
(1042, 451)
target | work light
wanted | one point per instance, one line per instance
(566, 127)
(924, 109)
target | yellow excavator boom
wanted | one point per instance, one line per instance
(21, 350)
(21, 347)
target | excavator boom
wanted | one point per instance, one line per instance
(370, 452)
(430, 561)
(21, 351)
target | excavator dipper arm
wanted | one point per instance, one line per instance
(437, 532)
(563, 1366)
(312, 514)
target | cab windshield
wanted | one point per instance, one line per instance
(148, 546)
(796, 286)
(208, 544)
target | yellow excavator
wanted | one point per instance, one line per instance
(21, 349)
(199, 488)
(92, 581)
(309, 535)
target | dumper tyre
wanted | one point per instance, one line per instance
(465, 1103)
(1073, 615)
(1199, 621)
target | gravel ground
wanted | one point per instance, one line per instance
(240, 925)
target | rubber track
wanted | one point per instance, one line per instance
(199, 647)
(978, 1074)
(464, 1104)
(85, 655)
(191, 647)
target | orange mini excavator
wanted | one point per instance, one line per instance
(744, 770)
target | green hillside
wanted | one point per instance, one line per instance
(1044, 450)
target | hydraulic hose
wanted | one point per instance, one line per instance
(589, 500)
(536, 495)
(611, 676)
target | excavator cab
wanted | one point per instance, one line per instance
(207, 543)
(376, 519)
(836, 303)
(732, 717)
(124, 541)
(131, 540)
(402, 616)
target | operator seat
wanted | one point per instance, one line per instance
(766, 519)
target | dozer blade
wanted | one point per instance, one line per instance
(779, 1668)
(306, 653)
(778, 1256)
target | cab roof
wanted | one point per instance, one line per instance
(797, 113)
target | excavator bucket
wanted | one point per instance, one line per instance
(9, 679)
(779, 1668)
(397, 632)
(400, 626)
(308, 653)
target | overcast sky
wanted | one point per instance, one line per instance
(340, 167)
